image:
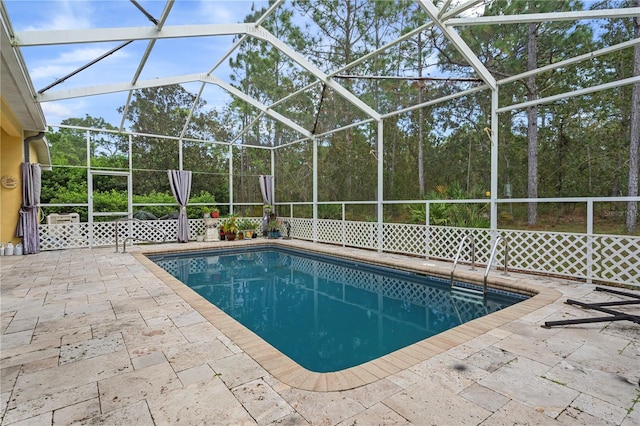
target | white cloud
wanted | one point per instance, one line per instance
(62, 15)
(86, 54)
(217, 11)
(56, 112)
(70, 60)
(50, 71)
(225, 12)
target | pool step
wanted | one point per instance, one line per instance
(467, 294)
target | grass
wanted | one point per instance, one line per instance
(609, 218)
(635, 401)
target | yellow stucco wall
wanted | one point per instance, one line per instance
(11, 156)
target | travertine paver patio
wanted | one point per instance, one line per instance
(95, 337)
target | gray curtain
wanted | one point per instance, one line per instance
(180, 181)
(28, 221)
(266, 187)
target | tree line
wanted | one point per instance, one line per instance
(581, 146)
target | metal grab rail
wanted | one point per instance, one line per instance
(473, 255)
(493, 255)
(133, 219)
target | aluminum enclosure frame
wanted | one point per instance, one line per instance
(441, 15)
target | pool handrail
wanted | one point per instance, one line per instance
(494, 249)
(468, 237)
(133, 219)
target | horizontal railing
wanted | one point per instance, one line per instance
(600, 258)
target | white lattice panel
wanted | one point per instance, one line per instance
(301, 228)
(196, 227)
(257, 223)
(599, 257)
(104, 234)
(361, 234)
(401, 238)
(437, 300)
(156, 230)
(618, 259)
(444, 243)
(395, 288)
(330, 231)
(549, 252)
(181, 267)
(64, 236)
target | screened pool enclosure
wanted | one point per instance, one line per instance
(397, 126)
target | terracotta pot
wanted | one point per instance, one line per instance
(230, 236)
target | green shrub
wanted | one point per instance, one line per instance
(472, 215)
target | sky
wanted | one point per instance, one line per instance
(169, 57)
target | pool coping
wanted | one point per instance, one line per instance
(290, 373)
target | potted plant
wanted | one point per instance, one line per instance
(230, 225)
(273, 227)
(206, 212)
(215, 213)
(240, 233)
(221, 231)
(245, 227)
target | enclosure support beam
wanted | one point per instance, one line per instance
(273, 173)
(590, 242)
(89, 187)
(379, 50)
(262, 34)
(168, 81)
(456, 11)
(493, 134)
(314, 140)
(573, 94)
(436, 101)
(103, 35)
(576, 59)
(380, 197)
(461, 46)
(230, 179)
(159, 24)
(247, 128)
(221, 60)
(623, 12)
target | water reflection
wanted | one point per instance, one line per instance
(325, 315)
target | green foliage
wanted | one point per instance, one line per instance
(64, 185)
(155, 198)
(273, 225)
(245, 224)
(471, 215)
(583, 142)
(110, 201)
(229, 224)
(203, 197)
(330, 211)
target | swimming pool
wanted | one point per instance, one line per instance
(326, 313)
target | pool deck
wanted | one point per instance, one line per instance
(90, 336)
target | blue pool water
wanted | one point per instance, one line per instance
(325, 313)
